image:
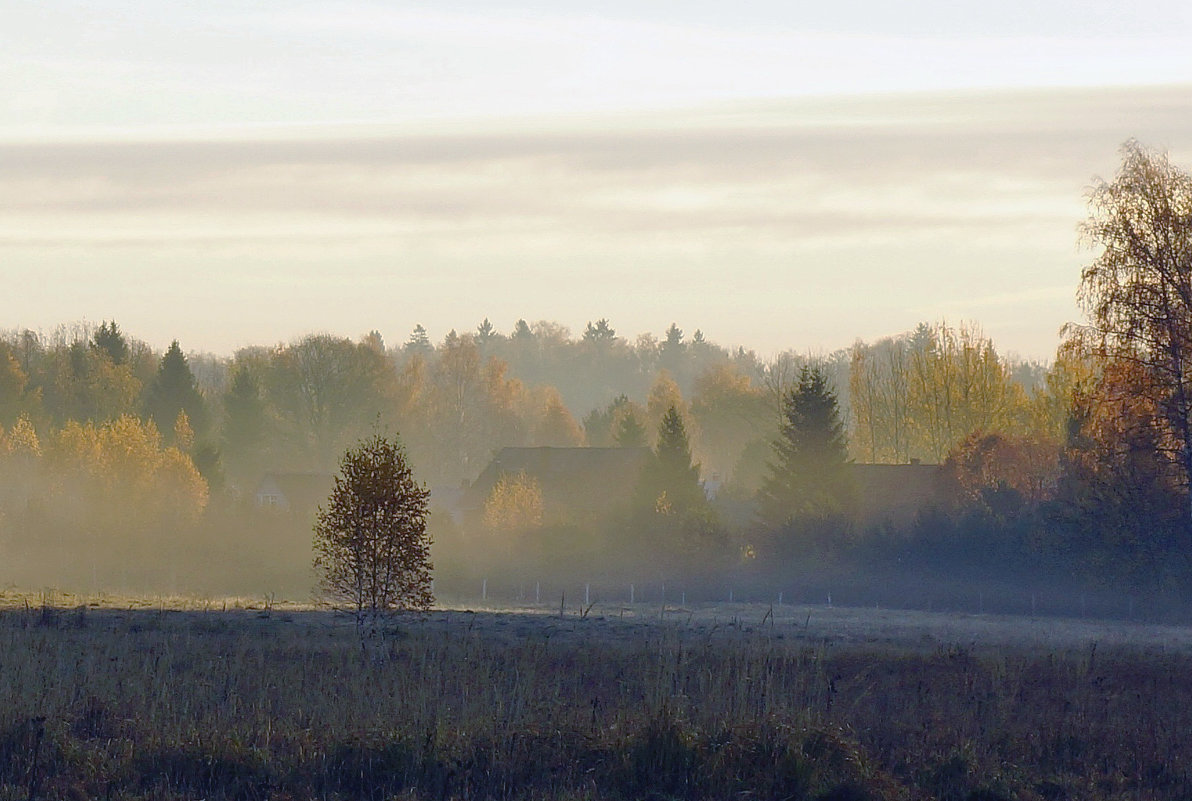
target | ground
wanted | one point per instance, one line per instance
(186, 698)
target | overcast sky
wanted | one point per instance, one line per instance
(781, 176)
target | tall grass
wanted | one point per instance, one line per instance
(160, 704)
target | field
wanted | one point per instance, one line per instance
(193, 699)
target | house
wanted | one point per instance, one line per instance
(895, 494)
(300, 493)
(576, 483)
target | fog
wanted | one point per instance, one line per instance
(592, 466)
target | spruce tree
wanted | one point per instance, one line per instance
(670, 482)
(109, 339)
(419, 341)
(244, 413)
(809, 476)
(629, 432)
(174, 389)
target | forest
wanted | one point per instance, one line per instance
(126, 467)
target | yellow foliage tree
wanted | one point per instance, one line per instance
(555, 426)
(664, 394)
(184, 435)
(21, 439)
(514, 506)
(119, 476)
(729, 412)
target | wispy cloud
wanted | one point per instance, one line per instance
(773, 225)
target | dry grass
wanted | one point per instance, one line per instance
(287, 702)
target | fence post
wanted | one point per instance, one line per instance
(484, 590)
(537, 592)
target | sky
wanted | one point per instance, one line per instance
(779, 175)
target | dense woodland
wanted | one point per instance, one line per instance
(1077, 468)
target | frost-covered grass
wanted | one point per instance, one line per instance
(207, 699)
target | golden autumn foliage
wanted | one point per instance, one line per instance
(554, 425)
(1120, 431)
(20, 440)
(664, 394)
(120, 475)
(514, 506)
(919, 396)
(729, 412)
(184, 435)
(987, 463)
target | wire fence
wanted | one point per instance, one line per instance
(576, 597)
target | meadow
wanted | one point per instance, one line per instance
(185, 699)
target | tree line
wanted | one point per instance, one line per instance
(1088, 457)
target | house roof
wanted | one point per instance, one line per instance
(300, 490)
(896, 493)
(578, 479)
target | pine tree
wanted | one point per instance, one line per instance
(110, 340)
(600, 332)
(809, 477)
(244, 413)
(485, 333)
(670, 482)
(419, 341)
(174, 389)
(521, 331)
(629, 432)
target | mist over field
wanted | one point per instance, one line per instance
(931, 472)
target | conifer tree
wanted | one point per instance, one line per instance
(174, 389)
(109, 339)
(244, 413)
(629, 432)
(419, 341)
(809, 476)
(670, 482)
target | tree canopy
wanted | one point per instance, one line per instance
(371, 544)
(808, 476)
(173, 390)
(1138, 290)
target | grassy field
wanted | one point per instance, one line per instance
(110, 698)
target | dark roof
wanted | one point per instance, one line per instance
(585, 480)
(896, 493)
(301, 491)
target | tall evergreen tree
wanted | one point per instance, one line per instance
(670, 482)
(629, 432)
(521, 331)
(600, 332)
(419, 341)
(244, 413)
(174, 389)
(109, 339)
(809, 476)
(486, 332)
(672, 351)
